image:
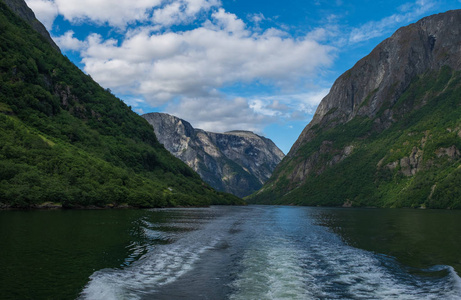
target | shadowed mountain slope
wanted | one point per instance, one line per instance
(65, 139)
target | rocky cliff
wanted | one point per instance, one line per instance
(378, 80)
(388, 133)
(238, 162)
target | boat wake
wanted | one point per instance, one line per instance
(273, 253)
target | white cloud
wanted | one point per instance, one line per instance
(289, 107)
(181, 11)
(120, 13)
(69, 42)
(229, 23)
(220, 115)
(169, 15)
(258, 18)
(190, 67)
(45, 11)
(409, 12)
(116, 13)
(197, 62)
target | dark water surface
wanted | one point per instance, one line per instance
(254, 252)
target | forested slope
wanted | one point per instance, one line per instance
(65, 139)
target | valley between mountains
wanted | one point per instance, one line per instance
(387, 135)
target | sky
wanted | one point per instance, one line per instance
(224, 65)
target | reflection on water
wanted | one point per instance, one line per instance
(255, 252)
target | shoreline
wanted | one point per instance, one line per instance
(58, 206)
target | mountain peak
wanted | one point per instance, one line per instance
(388, 133)
(381, 77)
(20, 8)
(237, 161)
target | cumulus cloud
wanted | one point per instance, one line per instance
(185, 71)
(181, 11)
(220, 115)
(229, 23)
(115, 13)
(194, 63)
(69, 42)
(45, 11)
(121, 13)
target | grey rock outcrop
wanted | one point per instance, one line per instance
(380, 78)
(20, 8)
(238, 162)
(377, 81)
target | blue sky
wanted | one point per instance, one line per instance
(226, 64)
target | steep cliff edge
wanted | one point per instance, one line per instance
(20, 8)
(388, 133)
(238, 162)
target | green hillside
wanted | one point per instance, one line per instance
(376, 173)
(65, 139)
(388, 134)
(414, 163)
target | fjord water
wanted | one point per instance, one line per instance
(254, 252)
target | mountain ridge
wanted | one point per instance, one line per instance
(407, 87)
(24, 12)
(368, 64)
(237, 161)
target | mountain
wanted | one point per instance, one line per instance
(21, 9)
(389, 132)
(237, 162)
(65, 139)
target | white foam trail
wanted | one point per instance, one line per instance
(321, 266)
(149, 273)
(282, 255)
(272, 273)
(162, 265)
(454, 293)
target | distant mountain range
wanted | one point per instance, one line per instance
(389, 132)
(237, 162)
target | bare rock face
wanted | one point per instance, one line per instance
(381, 78)
(24, 12)
(238, 162)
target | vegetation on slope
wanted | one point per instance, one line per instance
(65, 139)
(414, 163)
